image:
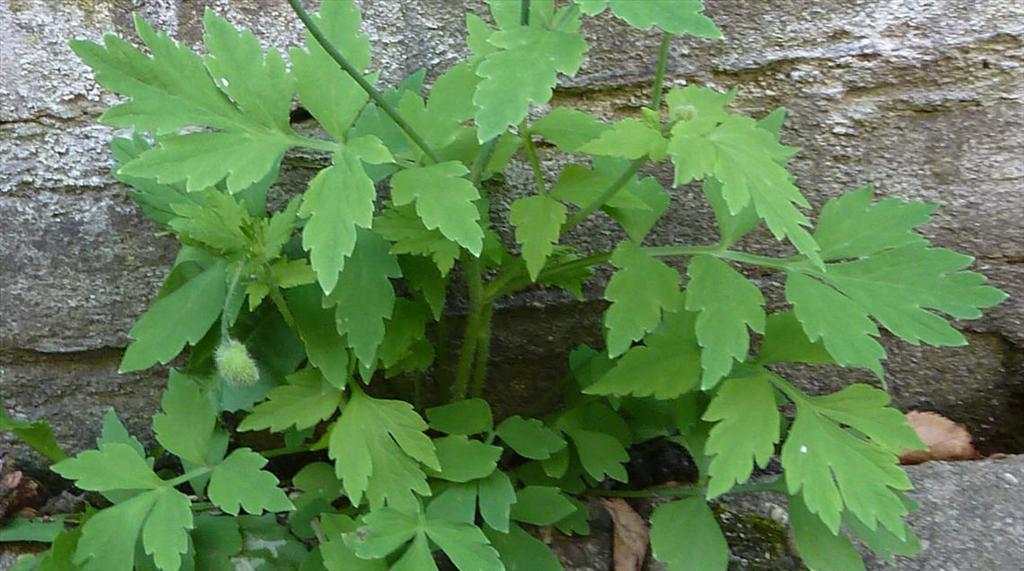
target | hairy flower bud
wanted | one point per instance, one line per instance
(235, 364)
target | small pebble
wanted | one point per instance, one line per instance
(778, 514)
(1011, 479)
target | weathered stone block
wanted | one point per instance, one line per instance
(924, 99)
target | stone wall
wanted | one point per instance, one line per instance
(922, 98)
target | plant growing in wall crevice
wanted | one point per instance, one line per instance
(296, 321)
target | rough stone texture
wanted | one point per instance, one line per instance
(921, 97)
(971, 519)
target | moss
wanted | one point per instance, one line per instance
(756, 541)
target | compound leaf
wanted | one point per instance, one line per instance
(386, 530)
(507, 88)
(212, 218)
(601, 455)
(580, 185)
(820, 548)
(38, 434)
(165, 534)
(403, 228)
(179, 318)
(384, 439)
(364, 296)
(464, 544)
(259, 84)
(244, 93)
(865, 409)
(239, 482)
(201, 160)
(840, 323)
(538, 222)
(529, 437)
(306, 400)
(444, 201)
(470, 416)
(731, 227)
(186, 425)
(628, 139)
(114, 431)
(882, 541)
(339, 200)
(898, 287)
(520, 551)
(749, 162)
(851, 226)
(507, 14)
(326, 349)
(463, 459)
(666, 366)
(113, 466)
(785, 341)
(541, 505)
(699, 544)
(417, 557)
(832, 467)
(677, 17)
(745, 432)
(405, 337)
(456, 502)
(568, 128)
(727, 304)
(639, 292)
(638, 221)
(168, 90)
(216, 539)
(330, 94)
(637, 206)
(496, 496)
(109, 538)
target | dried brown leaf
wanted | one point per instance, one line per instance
(632, 536)
(946, 440)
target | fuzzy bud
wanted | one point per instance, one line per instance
(235, 364)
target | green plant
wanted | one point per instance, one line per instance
(302, 320)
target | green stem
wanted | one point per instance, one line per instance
(604, 197)
(514, 280)
(444, 378)
(531, 155)
(417, 390)
(524, 12)
(659, 74)
(476, 328)
(753, 259)
(476, 172)
(314, 524)
(776, 485)
(567, 14)
(474, 284)
(792, 393)
(357, 76)
(285, 451)
(313, 143)
(483, 353)
(188, 476)
(282, 307)
(674, 491)
(611, 191)
(229, 300)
